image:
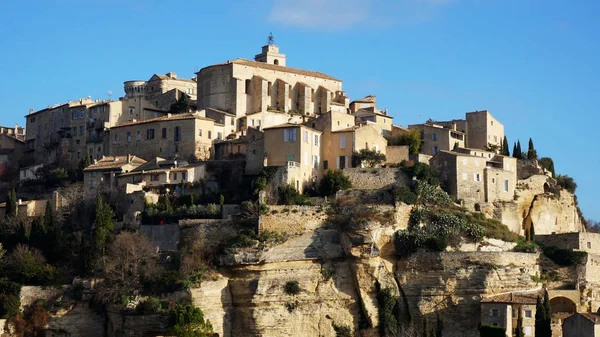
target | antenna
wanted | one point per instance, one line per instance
(270, 40)
(110, 95)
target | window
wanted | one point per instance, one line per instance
(341, 162)
(174, 176)
(325, 164)
(493, 180)
(464, 161)
(494, 312)
(209, 134)
(150, 134)
(476, 177)
(252, 122)
(528, 313)
(177, 133)
(116, 139)
(239, 149)
(200, 132)
(434, 136)
(316, 162)
(316, 140)
(155, 177)
(289, 135)
(74, 131)
(589, 245)
(342, 142)
(290, 157)
(505, 185)
(305, 136)
(183, 175)
(312, 95)
(248, 84)
(138, 136)
(219, 135)
(435, 150)
(164, 133)
(131, 110)
(128, 137)
(81, 130)
(269, 88)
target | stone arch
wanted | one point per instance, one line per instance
(561, 304)
(276, 62)
(477, 208)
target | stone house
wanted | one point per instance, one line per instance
(483, 129)
(103, 173)
(250, 146)
(581, 324)
(577, 241)
(161, 90)
(31, 208)
(174, 135)
(243, 87)
(346, 143)
(161, 172)
(476, 176)
(437, 137)
(502, 310)
(366, 112)
(297, 148)
(12, 147)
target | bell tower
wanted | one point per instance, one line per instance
(270, 53)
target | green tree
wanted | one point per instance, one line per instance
(182, 105)
(104, 225)
(412, 139)
(189, 321)
(168, 205)
(83, 164)
(439, 327)
(370, 158)
(514, 151)
(2, 253)
(531, 152)
(38, 233)
(334, 181)
(49, 216)
(519, 329)
(519, 153)
(11, 204)
(543, 317)
(505, 150)
(548, 164)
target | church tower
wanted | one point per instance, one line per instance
(270, 53)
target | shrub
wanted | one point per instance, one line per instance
(149, 306)
(349, 216)
(491, 331)
(430, 194)
(566, 182)
(412, 139)
(327, 273)
(334, 181)
(292, 288)
(564, 257)
(28, 265)
(289, 196)
(370, 158)
(291, 306)
(189, 321)
(389, 311)
(422, 172)
(77, 291)
(525, 246)
(10, 300)
(342, 330)
(404, 194)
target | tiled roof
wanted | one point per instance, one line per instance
(289, 125)
(350, 129)
(513, 298)
(173, 117)
(594, 318)
(114, 162)
(367, 99)
(274, 67)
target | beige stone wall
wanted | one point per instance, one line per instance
(375, 178)
(483, 129)
(437, 138)
(502, 319)
(292, 219)
(396, 154)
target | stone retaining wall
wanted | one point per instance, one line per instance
(375, 178)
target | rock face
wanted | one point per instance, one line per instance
(78, 320)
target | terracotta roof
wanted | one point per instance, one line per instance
(370, 111)
(165, 118)
(513, 298)
(114, 162)
(594, 318)
(274, 67)
(366, 99)
(289, 125)
(350, 129)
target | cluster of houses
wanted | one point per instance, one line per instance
(262, 112)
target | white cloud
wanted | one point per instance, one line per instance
(344, 14)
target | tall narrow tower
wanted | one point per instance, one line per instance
(270, 53)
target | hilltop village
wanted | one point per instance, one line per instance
(257, 199)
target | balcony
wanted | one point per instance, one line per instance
(293, 164)
(95, 138)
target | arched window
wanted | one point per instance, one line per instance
(276, 62)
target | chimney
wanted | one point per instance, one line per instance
(454, 126)
(30, 111)
(129, 158)
(172, 75)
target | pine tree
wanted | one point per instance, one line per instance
(49, 216)
(519, 151)
(514, 153)
(439, 326)
(168, 205)
(547, 314)
(531, 152)
(519, 332)
(104, 226)
(11, 204)
(38, 233)
(539, 318)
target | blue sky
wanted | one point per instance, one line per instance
(533, 64)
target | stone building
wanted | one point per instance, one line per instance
(438, 137)
(188, 135)
(161, 172)
(366, 112)
(31, 208)
(297, 148)
(243, 87)
(250, 146)
(12, 147)
(578, 241)
(346, 143)
(476, 176)
(483, 130)
(582, 324)
(102, 174)
(502, 311)
(161, 90)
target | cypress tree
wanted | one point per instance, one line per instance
(425, 328)
(104, 226)
(548, 314)
(514, 153)
(531, 152)
(38, 233)
(49, 216)
(439, 326)
(519, 151)
(505, 150)
(11, 204)
(539, 318)
(519, 332)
